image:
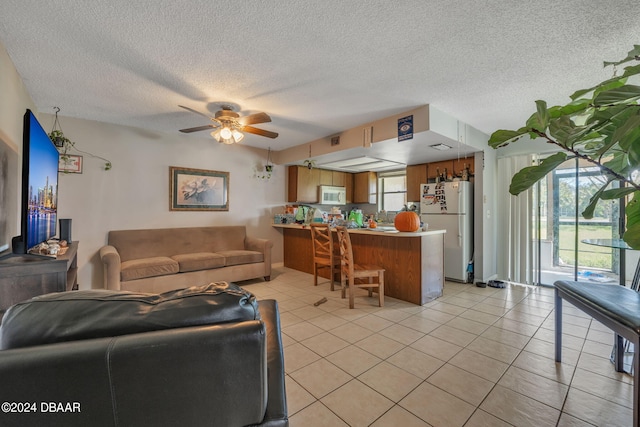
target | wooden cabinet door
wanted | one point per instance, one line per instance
(365, 187)
(303, 184)
(416, 175)
(326, 177)
(339, 178)
(435, 168)
(348, 185)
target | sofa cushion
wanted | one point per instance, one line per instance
(148, 267)
(237, 257)
(199, 261)
(77, 315)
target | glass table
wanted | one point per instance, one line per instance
(626, 364)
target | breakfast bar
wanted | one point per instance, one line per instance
(414, 262)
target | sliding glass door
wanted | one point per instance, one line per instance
(559, 229)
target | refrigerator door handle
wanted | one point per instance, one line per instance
(460, 224)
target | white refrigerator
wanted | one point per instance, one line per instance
(449, 206)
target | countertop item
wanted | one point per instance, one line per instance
(380, 231)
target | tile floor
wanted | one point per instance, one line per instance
(474, 357)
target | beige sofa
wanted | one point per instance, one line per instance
(159, 260)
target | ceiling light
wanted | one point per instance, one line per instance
(227, 135)
(441, 147)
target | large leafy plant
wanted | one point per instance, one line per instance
(601, 125)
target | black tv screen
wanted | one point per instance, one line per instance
(39, 184)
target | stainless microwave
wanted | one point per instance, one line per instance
(330, 195)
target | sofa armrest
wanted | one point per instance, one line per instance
(111, 266)
(264, 246)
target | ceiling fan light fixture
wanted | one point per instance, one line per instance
(225, 133)
(237, 135)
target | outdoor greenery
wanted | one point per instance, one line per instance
(601, 125)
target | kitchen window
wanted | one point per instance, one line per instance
(392, 190)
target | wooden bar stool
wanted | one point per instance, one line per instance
(323, 256)
(355, 274)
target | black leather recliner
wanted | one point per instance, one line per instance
(201, 356)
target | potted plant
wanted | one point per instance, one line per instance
(600, 125)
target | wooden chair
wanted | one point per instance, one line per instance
(355, 274)
(323, 255)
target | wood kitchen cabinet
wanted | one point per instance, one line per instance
(365, 187)
(338, 179)
(458, 165)
(303, 184)
(326, 177)
(435, 168)
(416, 175)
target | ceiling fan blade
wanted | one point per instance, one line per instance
(261, 132)
(253, 119)
(194, 111)
(198, 128)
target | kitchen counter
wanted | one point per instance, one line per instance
(381, 231)
(414, 262)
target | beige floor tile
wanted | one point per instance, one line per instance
(547, 391)
(316, 415)
(297, 356)
(286, 340)
(327, 321)
(350, 314)
(518, 409)
(448, 308)
(416, 362)
(297, 397)
(453, 335)
(603, 337)
(490, 309)
(351, 332)
(390, 381)
(437, 407)
(420, 323)
(402, 334)
(567, 420)
(436, 347)
(357, 404)
(324, 344)
(504, 336)
(569, 341)
(320, 378)
(472, 296)
(609, 389)
(598, 349)
(478, 364)
(301, 331)
(393, 315)
(288, 319)
(479, 316)
(380, 346)
(399, 417)
(494, 349)
(545, 367)
(548, 349)
(602, 366)
(353, 360)
(436, 315)
(460, 302)
(462, 384)
(482, 419)
(597, 411)
(468, 325)
(515, 326)
(373, 323)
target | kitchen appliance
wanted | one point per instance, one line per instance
(449, 206)
(331, 195)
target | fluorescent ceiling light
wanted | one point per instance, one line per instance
(362, 164)
(441, 147)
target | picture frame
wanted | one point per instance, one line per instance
(198, 189)
(68, 163)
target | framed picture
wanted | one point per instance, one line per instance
(70, 164)
(198, 190)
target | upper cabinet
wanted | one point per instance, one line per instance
(416, 175)
(435, 169)
(303, 184)
(365, 187)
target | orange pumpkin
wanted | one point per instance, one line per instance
(407, 221)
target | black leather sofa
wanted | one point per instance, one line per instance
(209, 355)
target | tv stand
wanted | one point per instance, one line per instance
(26, 276)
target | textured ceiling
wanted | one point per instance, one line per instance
(317, 67)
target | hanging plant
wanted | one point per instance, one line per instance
(65, 145)
(310, 164)
(264, 172)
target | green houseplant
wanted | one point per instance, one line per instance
(601, 125)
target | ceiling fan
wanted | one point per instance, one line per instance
(229, 125)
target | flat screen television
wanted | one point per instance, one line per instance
(39, 185)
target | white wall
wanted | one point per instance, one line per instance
(135, 192)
